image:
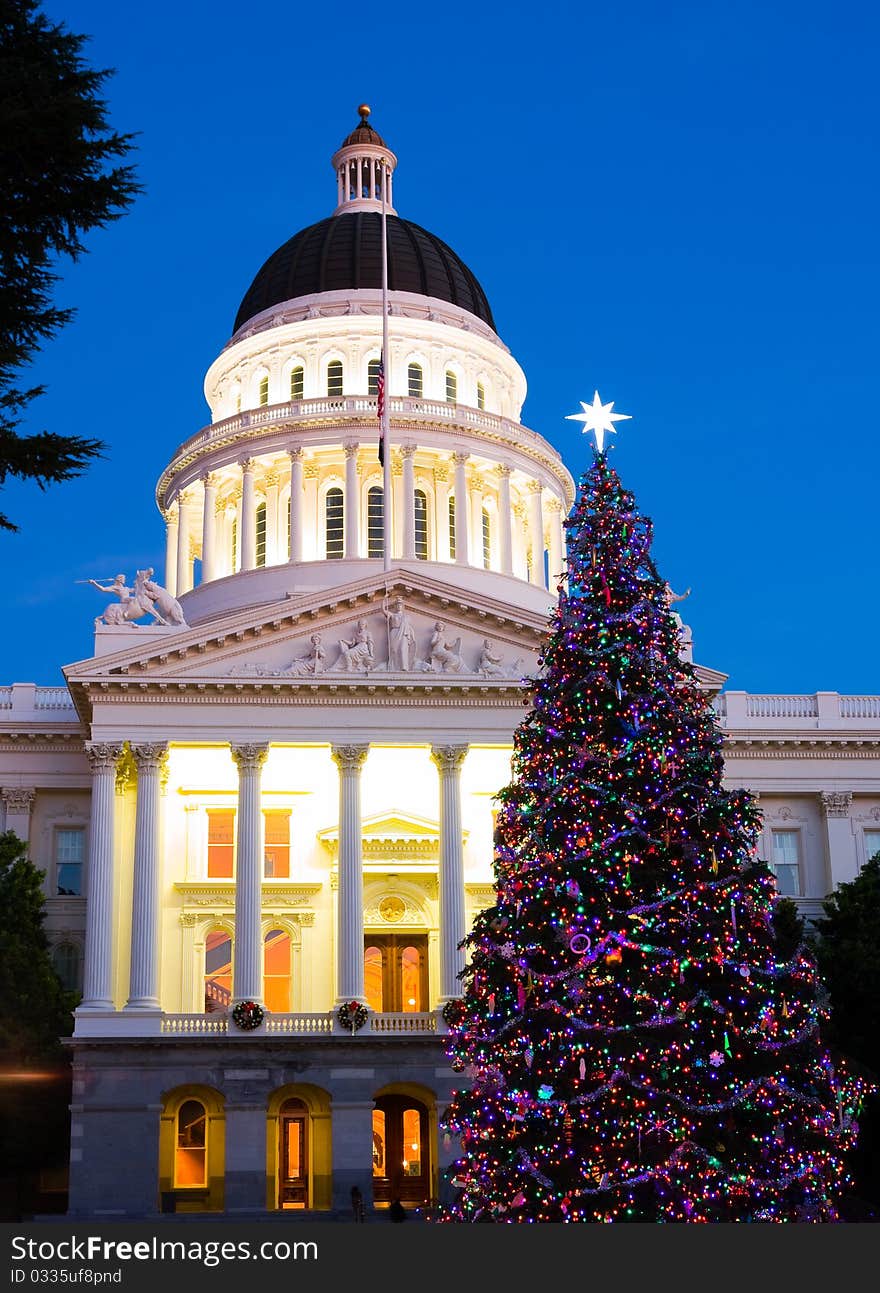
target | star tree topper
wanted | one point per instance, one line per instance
(599, 418)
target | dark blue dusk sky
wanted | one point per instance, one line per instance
(675, 203)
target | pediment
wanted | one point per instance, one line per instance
(391, 834)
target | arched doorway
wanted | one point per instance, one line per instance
(401, 1167)
(293, 1155)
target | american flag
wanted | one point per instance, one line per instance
(380, 407)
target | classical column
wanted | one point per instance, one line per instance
(311, 520)
(144, 983)
(349, 759)
(247, 984)
(184, 537)
(296, 504)
(351, 509)
(247, 534)
(407, 452)
(555, 550)
(271, 482)
(98, 966)
(505, 519)
(462, 553)
(842, 864)
(475, 499)
(18, 801)
(536, 535)
(172, 520)
(209, 527)
(441, 510)
(448, 760)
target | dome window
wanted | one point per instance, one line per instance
(373, 377)
(261, 535)
(296, 382)
(420, 505)
(414, 384)
(334, 377)
(451, 386)
(333, 523)
(263, 392)
(451, 514)
(375, 521)
(481, 395)
(487, 540)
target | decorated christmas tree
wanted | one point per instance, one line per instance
(640, 1042)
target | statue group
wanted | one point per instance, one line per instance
(145, 598)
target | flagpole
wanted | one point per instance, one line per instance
(385, 428)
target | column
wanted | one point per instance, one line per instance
(349, 759)
(247, 983)
(536, 535)
(475, 501)
(98, 965)
(311, 547)
(18, 801)
(396, 504)
(555, 551)
(351, 497)
(209, 527)
(842, 864)
(441, 511)
(505, 519)
(247, 534)
(339, 181)
(448, 760)
(462, 555)
(407, 452)
(144, 983)
(296, 504)
(271, 482)
(171, 528)
(184, 563)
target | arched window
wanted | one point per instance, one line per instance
(487, 540)
(375, 521)
(451, 386)
(414, 384)
(452, 526)
(263, 393)
(67, 959)
(420, 505)
(297, 379)
(373, 377)
(334, 377)
(191, 1149)
(481, 395)
(261, 534)
(334, 514)
(218, 971)
(276, 971)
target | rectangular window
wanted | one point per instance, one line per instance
(261, 535)
(296, 383)
(70, 854)
(335, 522)
(221, 843)
(264, 390)
(420, 506)
(276, 855)
(872, 844)
(786, 863)
(452, 526)
(451, 387)
(334, 377)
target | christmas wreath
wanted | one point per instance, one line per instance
(352, 1015)
(453, 1011)
(248, 1015)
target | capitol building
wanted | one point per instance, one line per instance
(272, 779)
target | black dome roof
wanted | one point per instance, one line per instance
(345, 252)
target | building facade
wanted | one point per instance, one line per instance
(280, 790)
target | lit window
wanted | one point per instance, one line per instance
(378, 1142)
(276, 971)
(191, 1158)
(785, 863)
(261, 534)
(412, 1143)
(451, 386)
(334, 377)
(263, 395)
(374, 968)
(297, 376)
(452, 526)
(420, 505)
(481, 395)
(414, 380)
(487, 540)
(410, 980)
(234, 539)
(375, 522)
(221, 843)
(373, 377)
(70, 853)
(872, 844)
(218, 971)
(276, 855)
(334, 522)
(67, 960)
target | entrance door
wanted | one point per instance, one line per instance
(293, 1159)
(396, 972)
(401, 1169)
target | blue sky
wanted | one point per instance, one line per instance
(677, 204)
